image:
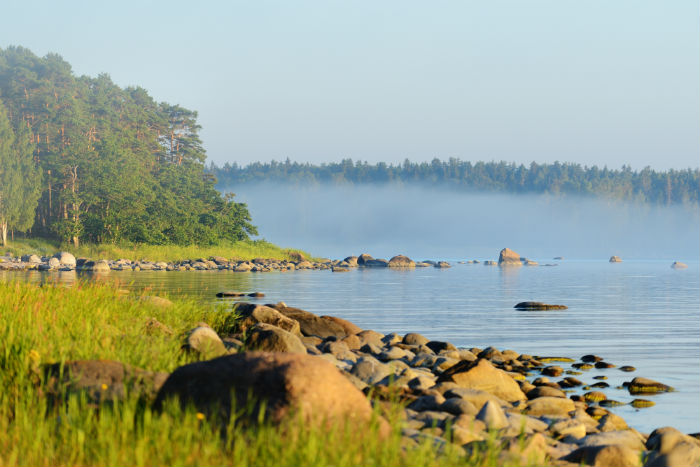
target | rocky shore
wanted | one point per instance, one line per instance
(541, 410)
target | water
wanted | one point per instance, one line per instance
(639, 313)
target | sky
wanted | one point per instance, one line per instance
(595, 82)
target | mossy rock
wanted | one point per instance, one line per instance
(642, 403)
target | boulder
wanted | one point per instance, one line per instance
(493, 416)
(252, 314)
(376, 263)
(309, 323)
(538, 306)
(279, 384)
(401, 261)
(508, 257)
(615, 259)
(351, 261)
(670, 447)
(679, 265)
(482, 375)
(65, 259)
(605, 456)
(363, 258)
(641, 385)
(53, 263)
(32, 259)
(627, 438)
(413, 338)
(348, 327)
(205, 341)
(101, 380)
(268, 338)
(552, 406)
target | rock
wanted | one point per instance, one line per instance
(552, 406)
(627, 368)
(642, 403)
(153, 326)
(508, 257)
(679, 265)
(603, 365)
(256, 295)
(615, 259)
(568, 427)
(477, 397)
(243, 267)
(544, 391)
(482, 375)
(53, 263)
(442, 265)
(310, 324)
(627, 438)
(376, 263)
(283, 384)
(439, 346)
(229, 293)
(348, 327)
(370, 370)
(605, 456)
(428, 402)
(612, 422)
(552, 371)
(493, 416)
(641, 385)
(594, 396)
(251, 314)
(369, 336)
(401, 261)
(672, 448)
(66, 259)
(205, 341)
(101, 380)
(458, 406)
(363, 258)
(413, 338)
(351, 261)
(538, 306)
(490, 263)
(268, 338)
(339, 269)
(304, 265)
(32, 259)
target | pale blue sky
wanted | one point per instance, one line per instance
(596, 82)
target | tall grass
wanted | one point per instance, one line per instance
(242, 250)
(49, 324)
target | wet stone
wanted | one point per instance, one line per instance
(594, 396)
(603, 365)
(627, 368)
(642, 403)
(591, 358)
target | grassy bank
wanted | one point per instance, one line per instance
(50, 324)
(243, 250)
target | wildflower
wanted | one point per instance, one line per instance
(104, 387)
(200, 416)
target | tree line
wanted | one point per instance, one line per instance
(646, 185)
(84, 159)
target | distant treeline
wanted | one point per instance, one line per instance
(647, 185)
(82, 158)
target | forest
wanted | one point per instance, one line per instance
(559, 179)
(84, 159)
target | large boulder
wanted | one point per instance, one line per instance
(401, 261)
(309, 323)
(100, 380)
(482, 375)
(66, 259)
(204, 341)
(550, 406)
(376, 263)
(508, 257)
(363, 258)
(348, 327)
(605, 456)
(615, 259)
(641, 385)
(251, 314)
(280, 384)
(269, 338)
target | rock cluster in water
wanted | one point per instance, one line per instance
(327, 368)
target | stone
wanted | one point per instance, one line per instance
(679, 265)
(66, 259)
(309, 323)
(493, 416)
(205, 341)
(508, 257)
(552, 370)
(282, 385)
(439, 346)
(605, 456)
(53, 263)
(268, 338)
(594, 396)
(641, 385)
(413, 338)
(370, 370)
(101, 380)
(538, 306)
(376, 263)
(363, 258)
(33, 259)
(544, 391)
(569, 427)
(520, 423)
(482, 375)
(401, 261)
(615, 259)
(251, 314)
(431, 402)
(442, 265)
(348, 327)
(552, 406)
(369, 336)
(612, 422)
(672, 448)
(458, 406)
(351, 261)
(627, 438)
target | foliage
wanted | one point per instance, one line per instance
(117, 166)
(19, 178)
(55, 324)
(562, 179)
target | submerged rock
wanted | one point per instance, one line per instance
(538, 306)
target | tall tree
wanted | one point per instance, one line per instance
(19, 178)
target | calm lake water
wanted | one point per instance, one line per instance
(640, 313)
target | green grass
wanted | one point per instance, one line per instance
(47, 324)
(242, 250)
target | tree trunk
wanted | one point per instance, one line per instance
(3, 233)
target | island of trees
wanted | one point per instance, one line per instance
(84, 159)
(647, 185)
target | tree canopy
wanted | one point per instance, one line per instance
(560, 179)
(114, 164)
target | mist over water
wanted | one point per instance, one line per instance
(428, 223)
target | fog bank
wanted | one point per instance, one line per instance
(425, 223)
